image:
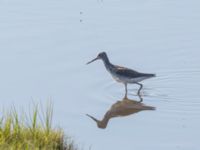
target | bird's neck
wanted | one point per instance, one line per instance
(104, 122)
(107, 63)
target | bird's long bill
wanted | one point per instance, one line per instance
(92, 60)
(92, 118)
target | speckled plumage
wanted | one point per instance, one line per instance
(126, 75)
(122, 74)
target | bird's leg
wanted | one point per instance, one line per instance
(125, 84)
(141, 99)
(141, 86)
(138, 93)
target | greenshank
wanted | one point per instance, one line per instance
(122, 74)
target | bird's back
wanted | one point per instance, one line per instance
(129, 75)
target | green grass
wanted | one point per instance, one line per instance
(19, 131)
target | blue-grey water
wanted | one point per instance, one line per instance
(44, 46)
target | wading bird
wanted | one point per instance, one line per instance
(122, 74)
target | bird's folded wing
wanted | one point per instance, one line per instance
(128, 72)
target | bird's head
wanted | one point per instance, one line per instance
(101, 55)
(100, 124)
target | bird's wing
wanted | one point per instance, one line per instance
(122, 71)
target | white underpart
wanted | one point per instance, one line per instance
(123, 79)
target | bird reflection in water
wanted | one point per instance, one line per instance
(121, 108)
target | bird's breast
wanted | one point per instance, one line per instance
(118, 78)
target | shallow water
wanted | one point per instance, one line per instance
(44, 46)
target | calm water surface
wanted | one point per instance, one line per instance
(44, 46)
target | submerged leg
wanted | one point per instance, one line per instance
(141, 99)
(125, 84)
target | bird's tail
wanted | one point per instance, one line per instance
(149, 108)
(151, 75)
